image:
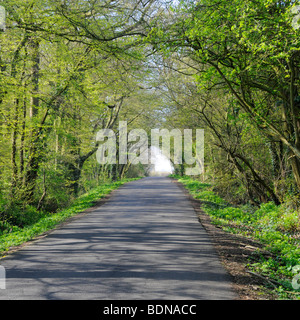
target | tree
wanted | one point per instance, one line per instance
(233, 145)
(251, 49)
(60, 60)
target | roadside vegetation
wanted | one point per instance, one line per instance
(27, 223)
(276, 227)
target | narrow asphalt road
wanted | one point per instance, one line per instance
(144, 243)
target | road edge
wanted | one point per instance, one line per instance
(234, 252)
(97, 204)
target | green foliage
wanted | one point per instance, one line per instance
(62, 67)
(210, 196)
(238, 78)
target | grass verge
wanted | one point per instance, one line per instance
(12, 236)
(277, 228)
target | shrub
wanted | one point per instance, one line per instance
(23, 216)
(289, 222)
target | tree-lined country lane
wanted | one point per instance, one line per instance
(144, 243)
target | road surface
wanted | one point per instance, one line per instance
(144, 243)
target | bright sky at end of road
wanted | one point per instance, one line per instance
(161, 162)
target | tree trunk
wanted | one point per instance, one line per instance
(295, 163)
(35, 77)
(258, 179)
(22, 145)
(14, 149)
(36, 144)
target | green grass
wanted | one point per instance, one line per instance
(277, 228)
(36, 223)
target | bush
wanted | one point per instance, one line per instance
(23, 216)
(289, 222)
(267, 209)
